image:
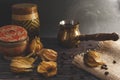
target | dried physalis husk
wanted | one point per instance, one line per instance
(22, 64)
(92, 58)
(36, 45)
(47, 69)
(48, 54)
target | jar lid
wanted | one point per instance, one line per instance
(12, 33)
(24, 8)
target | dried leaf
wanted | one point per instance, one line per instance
(92, 59)
(36, 45)
(22, 64)
(48, 69)
(48, 55)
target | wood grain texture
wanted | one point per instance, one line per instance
(66, 70)
(110, 51)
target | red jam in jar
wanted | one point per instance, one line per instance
(13, 40)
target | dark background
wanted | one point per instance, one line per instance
(94, 15)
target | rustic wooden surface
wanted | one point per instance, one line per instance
(66, 70)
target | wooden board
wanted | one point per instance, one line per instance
(110, 51)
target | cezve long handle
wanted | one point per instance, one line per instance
(99, 37)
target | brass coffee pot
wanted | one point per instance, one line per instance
(69, 35)
(69, 29)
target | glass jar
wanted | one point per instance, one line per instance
(26, 15)
(13, 41)
(69, 30)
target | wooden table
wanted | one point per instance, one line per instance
(66, 70)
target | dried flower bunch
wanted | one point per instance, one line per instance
(48, 66)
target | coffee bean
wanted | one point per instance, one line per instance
(114, 62)
(90, 45)
(104, 67)
(77, 46)
(106, 73)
